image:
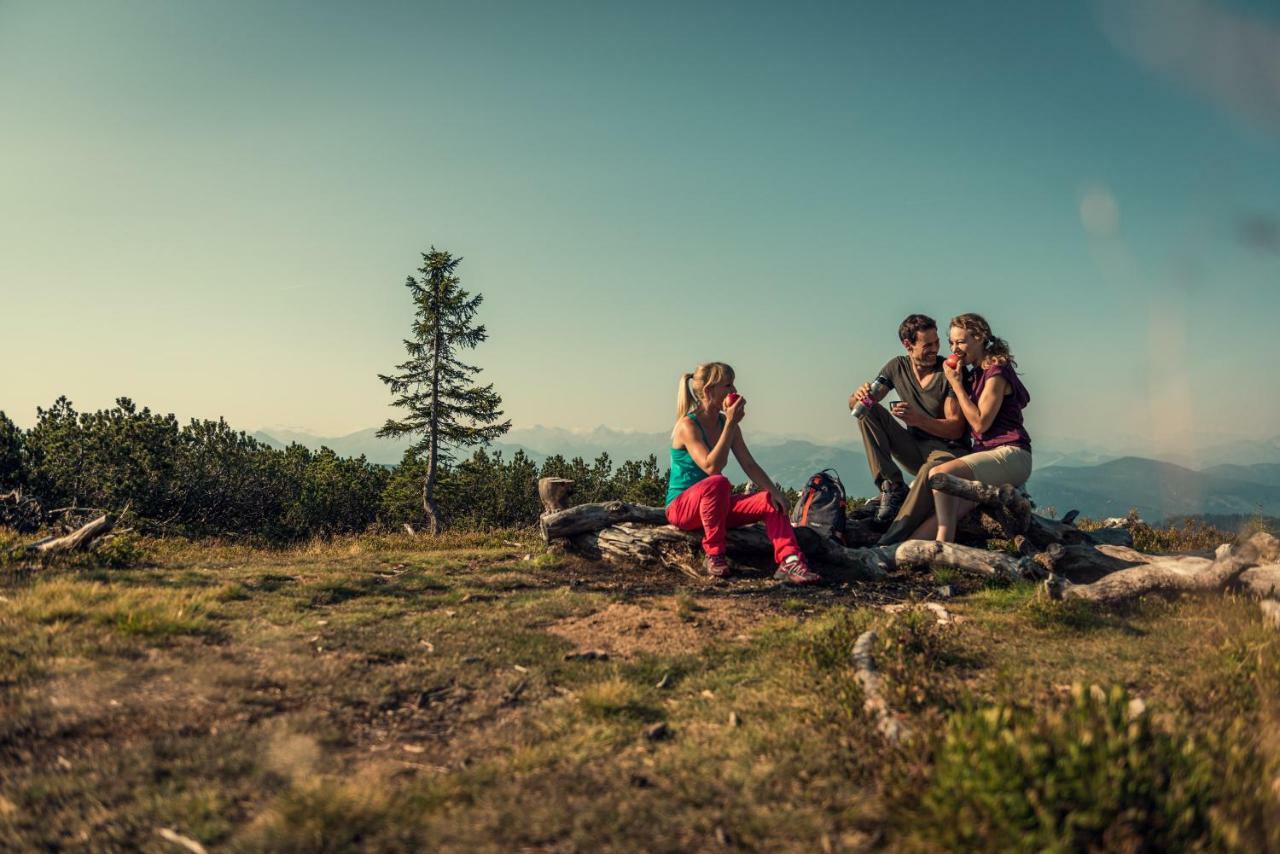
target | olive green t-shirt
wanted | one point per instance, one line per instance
(930, 400)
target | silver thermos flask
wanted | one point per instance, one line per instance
(879, 386)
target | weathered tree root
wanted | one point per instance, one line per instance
(889, 725)
(1172, 574)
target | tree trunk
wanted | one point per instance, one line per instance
(554, 493)
(429, 505)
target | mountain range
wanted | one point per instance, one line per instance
(1243, 477)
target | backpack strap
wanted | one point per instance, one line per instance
(804, 516)
(836, 477)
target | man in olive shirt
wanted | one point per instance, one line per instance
(934, 430)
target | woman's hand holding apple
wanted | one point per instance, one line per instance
(735, 407)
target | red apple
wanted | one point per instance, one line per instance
(731, 397)
(953, 360)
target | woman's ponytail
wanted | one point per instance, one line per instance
(998, 351)
(684, 396)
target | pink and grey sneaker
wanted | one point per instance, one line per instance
(717, 566)
(793, 570)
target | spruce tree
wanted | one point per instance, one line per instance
(444, 407)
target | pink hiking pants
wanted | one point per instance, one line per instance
(710, 505)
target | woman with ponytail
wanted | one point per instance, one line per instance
(991, 398)
(699, 497)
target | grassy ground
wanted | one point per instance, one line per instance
(396, 693)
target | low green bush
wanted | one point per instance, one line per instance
(1097, 774)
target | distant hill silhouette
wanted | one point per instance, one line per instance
(1157, 489)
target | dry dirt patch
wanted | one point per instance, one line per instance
(626, 630)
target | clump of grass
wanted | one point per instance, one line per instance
(828, 657)
(1069, 615)
(946, 574)
(326, 817)
(1000, 595)
(11, 547)
(145, 612)
(913, 654)
(617, 699)
(1097, 774)
(546, 560)
(687, 607)
(120, 552)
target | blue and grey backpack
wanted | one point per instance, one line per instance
(821, 505)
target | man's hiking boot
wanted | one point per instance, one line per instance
(892, 494)
(793, 570)
(717, 566)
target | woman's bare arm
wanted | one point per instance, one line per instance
(711, 460)
(981, 414)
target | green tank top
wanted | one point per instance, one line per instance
(684, 471)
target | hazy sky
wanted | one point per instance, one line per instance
(211, 207)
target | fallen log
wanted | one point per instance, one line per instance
(77, 540)
(571, 521)
(1174, 573)
(1008, 507)
(1084, 564)
(1261, 580)
(919, 554)
(636, 543)
(1005, 512)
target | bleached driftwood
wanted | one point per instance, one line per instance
(77, 540)
(874, 703)
(1174, 573)
(916, 554)
(1261, 580)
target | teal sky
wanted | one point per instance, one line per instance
(212, 207)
